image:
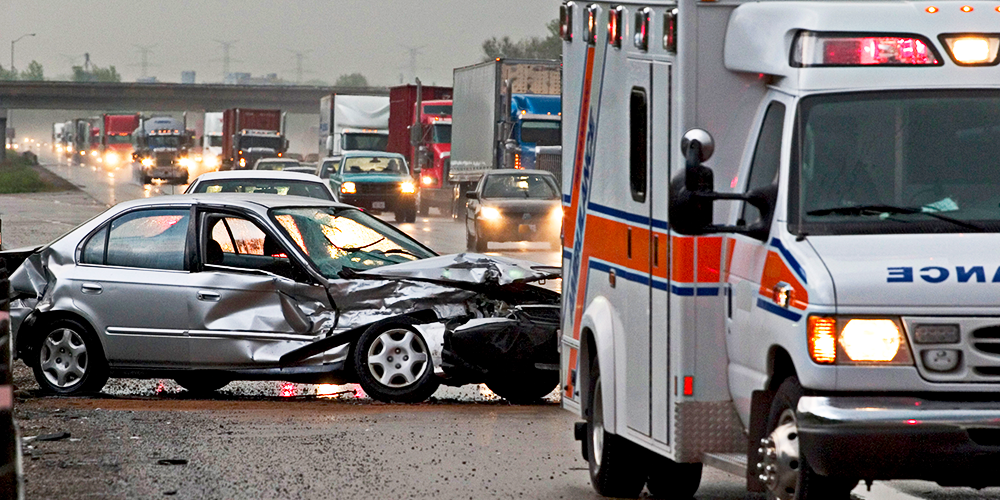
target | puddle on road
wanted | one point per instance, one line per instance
(167, 388)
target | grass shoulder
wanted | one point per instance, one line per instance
(20, 174)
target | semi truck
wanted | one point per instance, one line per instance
(116, 138)
(58, 136)
(251, 134)
(353, 123)
(162, 148)
(86, 138)
(420, 130)
(211, 145)
(497, 105)
(778, 234)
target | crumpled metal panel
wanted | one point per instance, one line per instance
(707, 427)
(363, 302)
(471, 268)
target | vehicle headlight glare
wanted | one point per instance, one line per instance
(489, 213)
(348, 188)
(147, 162)
(407, 188)
(427, 180)
(111, 158)
(876, 340)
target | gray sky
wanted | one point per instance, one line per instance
(345, 36)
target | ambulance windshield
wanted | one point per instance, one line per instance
(897, 162)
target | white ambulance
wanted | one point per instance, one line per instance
(836, 318)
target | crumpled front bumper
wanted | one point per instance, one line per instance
(951, 442)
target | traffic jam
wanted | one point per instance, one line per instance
(717, 249)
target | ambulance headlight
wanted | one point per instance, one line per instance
(972, 50)
(845, 340)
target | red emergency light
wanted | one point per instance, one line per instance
(670, 30)
(641, 37)
(592, 11)
(815, 49)
(615, 26)
(566, 21)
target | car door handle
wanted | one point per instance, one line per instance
(209, 296)
(91, 288)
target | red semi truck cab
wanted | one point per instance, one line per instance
(249, 135)
(116, 140)
(423, 136)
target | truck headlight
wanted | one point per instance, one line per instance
(184, 162)
(427, 180)
(348, 188)
(845, 340)
(147, 162)
(407, 188)
(489, 213)
(111, 158)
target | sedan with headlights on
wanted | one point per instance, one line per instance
(513, 205)
(376, 181)
(262, 182)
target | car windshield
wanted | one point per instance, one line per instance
(442, 134)
(276, 165)
(338, 238)
(520, 186)
(374, 165)
(271, 142)
(264, 186)
(365, 142)
(163, 141)
(437, 109)
(541, 132)
(909, 162)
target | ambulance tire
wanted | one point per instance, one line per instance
(616, 468)
(669, 479)
(809, 485)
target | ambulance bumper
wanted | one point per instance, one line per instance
(951, 442)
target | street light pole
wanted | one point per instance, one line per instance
(12, 42)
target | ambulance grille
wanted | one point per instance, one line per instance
(977, 350)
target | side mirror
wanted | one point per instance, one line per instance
(471, 195)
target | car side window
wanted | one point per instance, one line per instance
(239, 243)
(766, 157)
(149, 239)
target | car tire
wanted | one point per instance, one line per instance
(411, 213)
(201, 383)
(69, 359)
(423, 206)
(482, 244)
(525, 387)
(470, 241)
(669, 479)
(393, 363)
(616, 465)
(792, 477)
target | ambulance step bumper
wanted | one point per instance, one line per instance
(951, 442)
(733, 463)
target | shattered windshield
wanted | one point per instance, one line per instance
(911, 162)
(339, 238)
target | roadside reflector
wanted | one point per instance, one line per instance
(822, 339)
(838, 49)
(592, 10)
(689, 386)
(968, 49)
(566, 21)
(615, 26)
(932, 10)
(670, 30)
(642, 29)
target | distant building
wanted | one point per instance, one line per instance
(187, 76)
(247, 79)
(147, 79)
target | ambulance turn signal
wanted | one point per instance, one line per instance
(969, 49)
(823, 339)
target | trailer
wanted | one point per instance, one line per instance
(251, 134)
(420, 130)
(353, 123)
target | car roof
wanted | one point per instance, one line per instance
(348, 154)
(257, 174)
(517, 171)
(277, 160)
(257, 202)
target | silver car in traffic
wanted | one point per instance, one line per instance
(206, 289)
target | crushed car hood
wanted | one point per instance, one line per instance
(465, 270)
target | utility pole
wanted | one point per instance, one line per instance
(226, 59)
(412, 67)
(145, 51)
(299, 56)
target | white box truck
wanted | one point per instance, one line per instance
(836, 317)
(211, 141)
(353, 123)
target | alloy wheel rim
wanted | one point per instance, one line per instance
(63, 358)
(780, 468)
(398, 358)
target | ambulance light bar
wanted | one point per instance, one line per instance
(972, 49)
(566, 21)
(591, 32)
(615, 26)
(818, 49)
(670, 30)
(641, 37)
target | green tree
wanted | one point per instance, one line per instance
(34, 73)
(535, 47)
(7, 75)
(96, 74)
(351, 80)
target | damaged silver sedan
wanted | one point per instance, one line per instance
(207, 289)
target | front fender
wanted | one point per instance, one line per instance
(601, 321)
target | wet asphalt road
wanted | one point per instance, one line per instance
(275, 440)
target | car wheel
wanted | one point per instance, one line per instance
(411, 213)
(788, 475)
(70, 359)
(616, 465)
(526, 387)
(393, 363)
(422, 205)
(669, 479)
(200, 383)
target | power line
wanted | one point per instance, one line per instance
(413, 53)
(299, 56)
(226, 59)
(144, 64)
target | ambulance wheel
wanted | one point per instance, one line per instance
(669, 479)
(525, 387)
(789, 476)
(616, 468)
(393, 363)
